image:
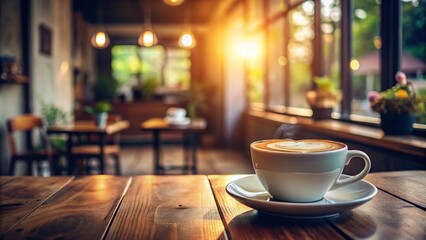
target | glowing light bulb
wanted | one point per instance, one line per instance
(147, 39)
(173, 2)
(187, 40)
(100, 40)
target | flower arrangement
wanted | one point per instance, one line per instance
(400, 99)
(325, 94)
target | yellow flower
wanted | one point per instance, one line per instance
(401, 94)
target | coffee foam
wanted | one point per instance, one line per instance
(300, 146)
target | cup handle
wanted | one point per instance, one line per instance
(359, 176)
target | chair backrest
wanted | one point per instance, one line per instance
(24, 122)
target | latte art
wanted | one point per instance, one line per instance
(300, 146)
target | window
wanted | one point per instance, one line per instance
(125, 63)
(255, 14)
(255, 69)
(275, 63)
(414, 46)
(304, 39)
(366, 44)
(143, 68)
(331, 38)
(300, 54)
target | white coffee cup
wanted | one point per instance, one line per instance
(176, 113)
(303, 170)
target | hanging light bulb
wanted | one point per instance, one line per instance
(147, 38)
(100, 40)
(187, 39)
(173, 3)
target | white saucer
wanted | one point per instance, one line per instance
(177, 121)
(250, 192)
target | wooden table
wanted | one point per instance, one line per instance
(193, 207)
(88, 128)
(190, 131)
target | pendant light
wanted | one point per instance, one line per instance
(147, 38)
(173, 3)
(100, 38)
(187, 39)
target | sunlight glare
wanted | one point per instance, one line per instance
(249, 50)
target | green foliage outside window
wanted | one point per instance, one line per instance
(151, 67)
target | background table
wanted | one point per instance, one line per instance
(88, 128)
(190, 132)
(193, 207)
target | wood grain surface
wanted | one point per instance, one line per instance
(384, 217)
(5, 179)
(196, 124)
(80, 210)
(20, 196)
(85, 126)
(193, 207)
(408, 185)
(168, 207)
(243, 222)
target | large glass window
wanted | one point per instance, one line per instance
(148, 68)
(300, 55)
(331, 39)
(125, 63)
(255, 14)
(366, 55)
(255, 68)
(177, 68)
(152, 63)
(254, 53)
(292, 33)
(414, 46)
(275, 63)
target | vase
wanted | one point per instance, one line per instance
(321, 113)
(101, 119)
(397, 124)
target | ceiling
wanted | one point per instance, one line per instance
(132, 11)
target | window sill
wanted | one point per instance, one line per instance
(368, 135)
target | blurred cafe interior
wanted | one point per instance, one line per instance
(250, 69)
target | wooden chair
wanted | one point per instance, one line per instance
(29, 123)
(98, 147)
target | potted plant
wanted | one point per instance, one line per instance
(54, 115)
(101, 110)
(323, 98)
(104, 88)
(398, 106)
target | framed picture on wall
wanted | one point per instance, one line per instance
(45, 39)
